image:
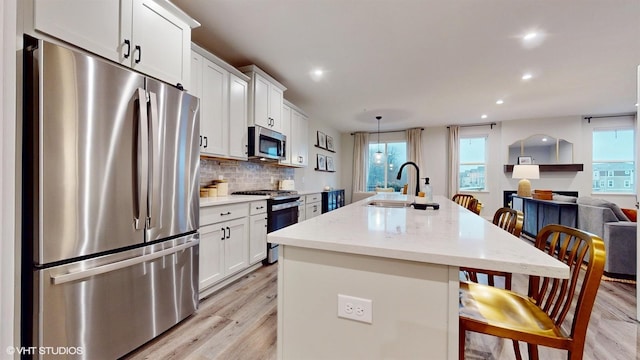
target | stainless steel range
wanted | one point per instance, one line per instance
(282, 211)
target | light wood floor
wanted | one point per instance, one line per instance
(239, 322)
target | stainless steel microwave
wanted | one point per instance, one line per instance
(266, 144)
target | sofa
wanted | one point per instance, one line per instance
(607, 220)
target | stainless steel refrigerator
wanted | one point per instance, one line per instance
(110, 205)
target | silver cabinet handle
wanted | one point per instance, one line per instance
(65, 278)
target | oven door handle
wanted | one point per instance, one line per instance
(287, 205)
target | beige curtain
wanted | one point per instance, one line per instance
(360, 153)
(454, 160)
(414, 153)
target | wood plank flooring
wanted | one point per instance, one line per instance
(239, 322)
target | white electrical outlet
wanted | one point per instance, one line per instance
(354, 308)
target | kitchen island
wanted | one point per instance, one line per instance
(405, 261)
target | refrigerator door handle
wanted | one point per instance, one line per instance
(142, 159)
(153, 199)
(79, 275)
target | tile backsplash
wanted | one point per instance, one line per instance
(243, 175)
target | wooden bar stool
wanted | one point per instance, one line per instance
(512, 221)
(541, 318)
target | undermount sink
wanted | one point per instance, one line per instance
(388, 204)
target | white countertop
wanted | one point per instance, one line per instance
(451, 235)
(231, 199)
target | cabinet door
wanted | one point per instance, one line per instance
(195, 84)
(286, 130)
(300, 139)
(236, 251)
(214, 109)
(211, 261)
(258, 242)
(91, 25)
(163, 42)
(261, 101)
(238, 132)
(302, 213)
(275, 107)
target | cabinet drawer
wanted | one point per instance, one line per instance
(258, 207)
(312, 198)
(312, 210)
(214, 214)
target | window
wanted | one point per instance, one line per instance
(613, 160)
(382, 173)
(473, 163)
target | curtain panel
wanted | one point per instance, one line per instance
(454, 160)
(360, 166)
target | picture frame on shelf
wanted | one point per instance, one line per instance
(525, 160)
(330, 143)
(322, 140)
(330, 166)
(321, 162)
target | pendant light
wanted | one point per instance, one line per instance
(378, 155)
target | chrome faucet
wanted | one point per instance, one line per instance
(417, 174)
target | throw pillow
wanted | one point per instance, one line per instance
(588, 200)
(632, 214)
(564, 198)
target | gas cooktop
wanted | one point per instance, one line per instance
(274, 194)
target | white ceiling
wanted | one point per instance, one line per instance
(428, 62)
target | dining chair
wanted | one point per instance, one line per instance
(462, 199)
(510, 220)
(542, 317)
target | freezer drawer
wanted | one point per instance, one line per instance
(111, 305)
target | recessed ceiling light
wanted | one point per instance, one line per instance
(636, 104)
(544, 139)
(526, 76)
(317, 74)
(530, 36)
(483, 116)
(500, 102)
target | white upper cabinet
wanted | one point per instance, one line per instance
(151, 37)
(238, 108)
(223, 93)
(300, 140)
(91, 25)
(265, 99)
(286, 131)
(295, 127)
(214, 104)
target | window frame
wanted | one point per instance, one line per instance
(609, 178)
(385, 140)
(484, 163)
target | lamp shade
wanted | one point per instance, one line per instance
(526, 172)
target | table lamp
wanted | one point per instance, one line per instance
(525, 172)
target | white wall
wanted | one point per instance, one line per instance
(9, 276)
(571, 128)
(310, 179)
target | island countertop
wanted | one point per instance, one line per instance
(451, 236)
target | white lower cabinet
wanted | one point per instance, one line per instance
(258, 232)
(224, 245)
(258, 242)
(233, 241)
(313, 205)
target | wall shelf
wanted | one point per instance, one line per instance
(552, 167)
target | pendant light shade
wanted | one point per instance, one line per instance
(378, 155)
